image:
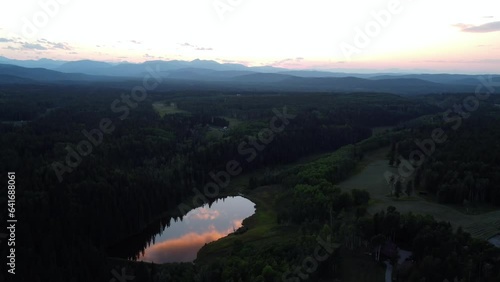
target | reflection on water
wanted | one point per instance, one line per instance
(181, 241)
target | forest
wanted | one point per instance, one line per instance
(465, 169)
(71, 223)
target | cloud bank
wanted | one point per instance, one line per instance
(484, 28)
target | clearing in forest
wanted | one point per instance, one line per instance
(371, 178)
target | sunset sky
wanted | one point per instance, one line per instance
(424, 35)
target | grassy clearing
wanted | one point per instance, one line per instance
(233, 122)
(381, 129)
(214, 134)
(471, 209)
(163, 109)
(371, 178)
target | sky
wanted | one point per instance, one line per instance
(424, 35)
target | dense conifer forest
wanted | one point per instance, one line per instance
(94, 170)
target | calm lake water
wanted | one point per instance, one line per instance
(181, 241)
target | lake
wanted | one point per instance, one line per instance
(182, 239)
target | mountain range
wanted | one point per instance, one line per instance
(213, 75)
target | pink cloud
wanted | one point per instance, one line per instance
(182, 249)
(206, 214)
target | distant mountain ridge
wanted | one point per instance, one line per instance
(130, 69)
(214, 75)
(41, 63)
(138, 69)
(44, 75)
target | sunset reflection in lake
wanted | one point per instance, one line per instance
(182, 240)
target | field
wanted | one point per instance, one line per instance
(162, 109)
(371, 178)
(381, 130)
(233, 122)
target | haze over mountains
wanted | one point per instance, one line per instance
(237, 77)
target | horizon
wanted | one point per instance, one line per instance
(401, 36)
(346, 71)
